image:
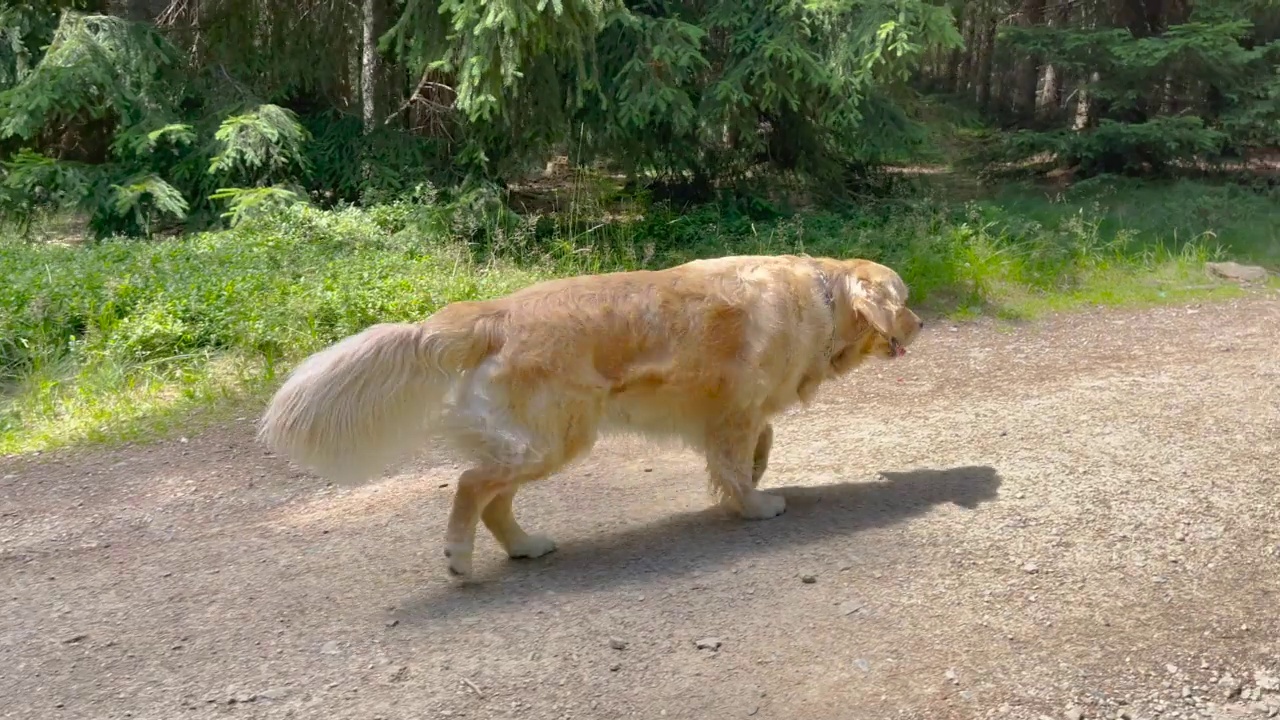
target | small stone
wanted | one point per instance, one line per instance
(73, 639)
(330, 648)
(1171, 669)
(615, 667)
(1230, 686)
(274, 694)
(392, 623)
(1180, 536)
(862, 665)
(1031, 568)
(950, 674)
(708, 643)
(1266, 681)
(850, 607)
(754, 709)
(617, 643)
(808, 578)
(401, 674)
(1075, 712)
(1186, 691)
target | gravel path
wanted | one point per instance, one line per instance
(1077, 518)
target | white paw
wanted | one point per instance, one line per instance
(532, 546)
(459, 557)
(762, 506)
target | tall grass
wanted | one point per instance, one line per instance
(126, 338)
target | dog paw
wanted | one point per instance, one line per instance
(459, 560)
(762, 506)
(532, 546)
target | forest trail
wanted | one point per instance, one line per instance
(1074, 518)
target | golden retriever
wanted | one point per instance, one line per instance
(706, 353)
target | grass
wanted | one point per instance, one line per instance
(128, 339)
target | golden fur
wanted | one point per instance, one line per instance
(707, 353)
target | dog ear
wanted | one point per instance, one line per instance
(874, 304)
(877, 313)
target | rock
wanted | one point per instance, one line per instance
(950, 674)
(1031, 568)
(1180, 536)
(274, 694)
(1237, 272)
(850, 607)
(1171, 669)
(330, 648)
(862, 665)
(808, 578)
(73, 639)
(1266, 681)
(401, 674)
(615, 667)
(708, 643)
(1230, 686)
(392, 623)
(1075, 712)
(617, 643)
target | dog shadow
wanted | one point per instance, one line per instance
(704, 539)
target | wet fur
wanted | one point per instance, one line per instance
(705, 353)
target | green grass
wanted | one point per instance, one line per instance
(129, 339)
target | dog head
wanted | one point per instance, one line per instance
(879, 298)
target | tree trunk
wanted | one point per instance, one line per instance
(986, 56)
(372, 95)
(1084, 104)
(970, 36)
(1028, 72)
(1049, 100)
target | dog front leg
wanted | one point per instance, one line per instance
(764, 443)
(731, 450)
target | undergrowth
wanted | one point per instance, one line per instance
(122, 339)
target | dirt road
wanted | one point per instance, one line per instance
(1079, 518)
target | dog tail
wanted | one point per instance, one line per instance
(368, 400)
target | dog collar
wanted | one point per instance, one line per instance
(828, 299)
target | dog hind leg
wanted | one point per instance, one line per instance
(499, 518)
(477, 487)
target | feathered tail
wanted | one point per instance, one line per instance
(350, 410)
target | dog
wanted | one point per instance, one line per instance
(706, 353)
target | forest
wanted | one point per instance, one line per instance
(194, 193)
